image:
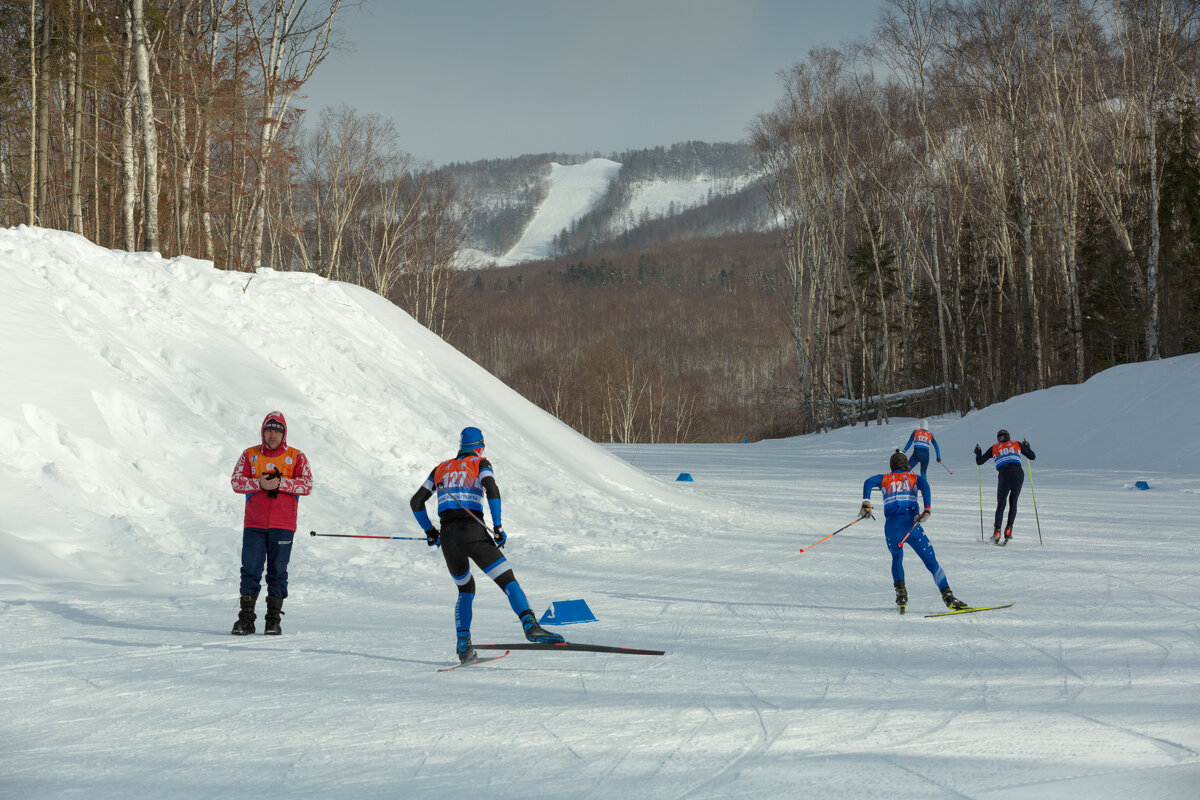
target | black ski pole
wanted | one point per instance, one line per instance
(361, 536)
(979, 472)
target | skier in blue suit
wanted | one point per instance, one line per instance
(902, 518)
(919, 440)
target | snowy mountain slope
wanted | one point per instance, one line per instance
(133, 382)
(651, 199)
(573, 191)
(534, 199)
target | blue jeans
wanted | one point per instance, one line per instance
(274, 547)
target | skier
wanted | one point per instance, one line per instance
(902, 517)
(1009, 478)
(461, 485)
(919, 440)
(273, 477)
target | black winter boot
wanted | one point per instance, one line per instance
(901, 595)
(951, 601)
(245, 621)
(274, 612)
(535, 632)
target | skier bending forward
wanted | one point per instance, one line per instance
(902, 517)
(461, 485)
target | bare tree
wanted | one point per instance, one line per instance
(288, 45)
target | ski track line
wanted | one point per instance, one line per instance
(1172, 749)
(949, 789)
(139, 650)
(1088, 775)
(760, 744)
(598, 785)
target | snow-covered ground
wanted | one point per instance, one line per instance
(132, 383)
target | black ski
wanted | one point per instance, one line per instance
(473, 662)
(590, 648)
(967, 610)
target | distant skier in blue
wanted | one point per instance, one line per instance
(462, 485)
(919, 440)
(902, 518)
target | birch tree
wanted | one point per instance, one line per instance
(288, 45)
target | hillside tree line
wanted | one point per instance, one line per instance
(987, 198)
(172, 126)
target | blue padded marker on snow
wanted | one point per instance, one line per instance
(1141, 485)
(567, 612)
(684, 476)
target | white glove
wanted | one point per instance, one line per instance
(924, 515)
(865, 510)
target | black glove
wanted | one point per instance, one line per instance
(272, 475)
(499, 536)
(1025, 443)
(432, 536)
(924, 515)
(939, 459)
(978, 452)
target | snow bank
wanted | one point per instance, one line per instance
(134, 382)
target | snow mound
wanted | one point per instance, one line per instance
(135, 381)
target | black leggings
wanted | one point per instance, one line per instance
(1008, 488)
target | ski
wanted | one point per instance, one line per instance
(967, 610)
(590, 648)
(472, 662)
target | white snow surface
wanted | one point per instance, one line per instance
(133, 382)
(574, 189)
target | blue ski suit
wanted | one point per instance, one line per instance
(919, 440)
(900, 510)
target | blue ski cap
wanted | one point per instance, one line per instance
(470, 439)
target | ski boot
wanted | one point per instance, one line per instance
(245, 621)
(952, 602)
(1007, 535)
(271, 619)
(464, 649)
(535, 632)
(996, 537)
(901, 595)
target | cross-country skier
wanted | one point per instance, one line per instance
(1009, 478)
(461, 485)
(902, 517)
(919, 440)
(273, 477)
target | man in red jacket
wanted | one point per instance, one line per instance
(273, 476)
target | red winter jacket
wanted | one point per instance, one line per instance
(262, 510)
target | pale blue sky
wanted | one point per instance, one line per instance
(471, 79)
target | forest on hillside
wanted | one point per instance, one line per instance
(988, 197)
(669, 343)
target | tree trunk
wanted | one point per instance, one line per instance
(128, 152)
(33, 114)
(149, 128)
(43, 120)
(77, 123)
